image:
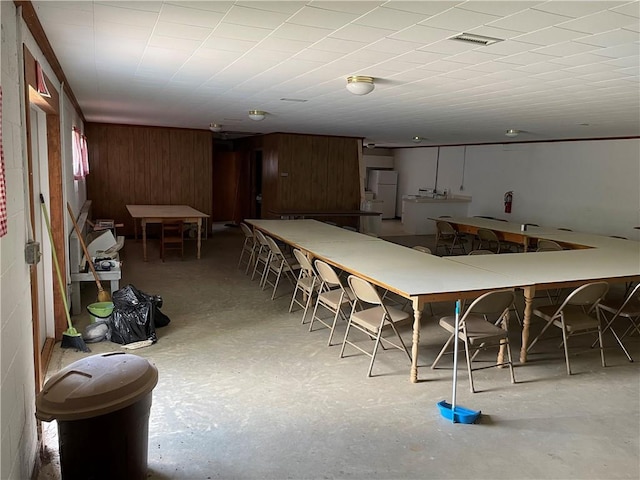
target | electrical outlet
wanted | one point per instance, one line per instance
(32, 253)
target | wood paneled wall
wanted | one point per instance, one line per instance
(311, 172)
(147, 165)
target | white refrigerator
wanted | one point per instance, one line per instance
(384, 184)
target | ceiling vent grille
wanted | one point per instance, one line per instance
(476, 39)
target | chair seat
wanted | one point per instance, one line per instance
(335, 298)
(631, 309)
(370, 318)
(478, 329)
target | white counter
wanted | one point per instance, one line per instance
(417, 210)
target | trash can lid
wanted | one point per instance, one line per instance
(95, 386)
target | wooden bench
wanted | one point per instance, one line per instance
(76, 263)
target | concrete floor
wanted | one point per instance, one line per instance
(245, 391)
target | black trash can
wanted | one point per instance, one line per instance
(101, 404)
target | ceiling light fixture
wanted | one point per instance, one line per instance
(257, 115)
(512, 132)
(416, 139)
(214, 127)
(359, 85)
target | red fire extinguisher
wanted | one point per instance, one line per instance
(508, 200)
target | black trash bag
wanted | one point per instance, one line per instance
(135, 316)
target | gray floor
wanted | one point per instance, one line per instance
(245, 391)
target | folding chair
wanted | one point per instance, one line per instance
(307, 283)
(478, 332)
(333, 296)
(248, 247)
(626, 307)
(574, 316)
(278, 265)
(447, 237)
(372, 320)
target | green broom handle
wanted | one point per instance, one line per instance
(55, 261)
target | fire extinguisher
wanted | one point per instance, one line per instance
(508, 200)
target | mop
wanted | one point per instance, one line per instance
(450, 411)
(70, 337)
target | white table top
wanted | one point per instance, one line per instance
(556, 267)
(400, 269)
(164, 211)
(296, 231)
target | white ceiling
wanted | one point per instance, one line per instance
(566, 69)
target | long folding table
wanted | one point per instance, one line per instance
(427, 278)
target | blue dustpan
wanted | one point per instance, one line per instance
(451, 411)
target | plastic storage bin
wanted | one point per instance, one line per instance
(102, 405)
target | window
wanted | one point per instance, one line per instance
(80, 155)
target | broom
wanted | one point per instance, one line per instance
(70, 337)
(103, 296)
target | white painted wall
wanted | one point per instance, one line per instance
(18, 423)
(17, 388)
(589, 186)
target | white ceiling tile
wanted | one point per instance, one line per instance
(623, 62)
(106, 31)
(148, 6)
(282, 45)
(493, 32)
(253, 17)
(498, 8)
(528, 21)
(426, 8)
(549, 36)
(600, 22)
(526, 58)
(565, 49)
(317, 17)
(359, 7)
(390, 45)
(289, 7)
(509, 47)
(449, 47)
(313, 55)
(370, 57)
(361, 33)
(611, 39)
(229, 44)
(474, 57)
(577, 9)
(177, 30)
(580, 59)
(189, 16)
(299, 32)
(459, 19)
(125, 16)
(66, 15)
(419, 57)
(241, 32)
(336, 45)
(631, 8)
(423, 34)
(173, 42)
(389, 18)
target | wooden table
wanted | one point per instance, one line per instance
(158, 213)
(426, 278)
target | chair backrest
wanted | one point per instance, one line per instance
(548, 246)
(246, 230)
(445, 228)
(487, 235)
(481, 252)
(262, 239)
(305, 263)
(497, 301)
(363, 290)
(273, 246)
(422, 249)
(587, 295)
(327, 274)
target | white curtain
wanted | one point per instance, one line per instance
(80, 155)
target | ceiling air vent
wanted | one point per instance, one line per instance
(476, 39)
